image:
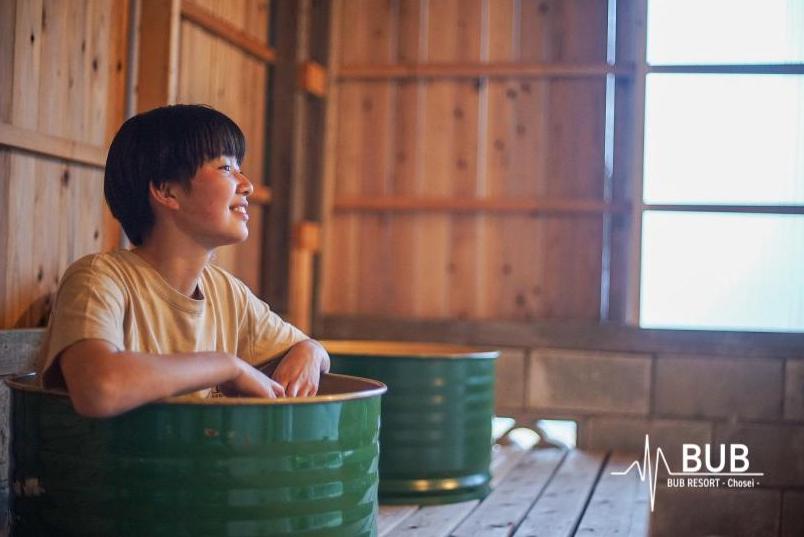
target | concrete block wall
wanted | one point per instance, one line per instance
(617, 398)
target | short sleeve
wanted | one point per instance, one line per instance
(88, 305)
(264, 334)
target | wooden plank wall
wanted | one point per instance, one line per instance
(62, 98)
(460, 138)
(215, 72)
(62, 67)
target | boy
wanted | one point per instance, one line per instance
(134, 326)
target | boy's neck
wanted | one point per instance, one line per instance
(181, 269)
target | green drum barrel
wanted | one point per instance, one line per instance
(435, 438)
(201, 467)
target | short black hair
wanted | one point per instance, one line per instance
(167, 144)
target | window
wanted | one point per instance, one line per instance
(722, 209)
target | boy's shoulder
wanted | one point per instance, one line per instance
(102, 263)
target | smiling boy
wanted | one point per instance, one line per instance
(134, 326)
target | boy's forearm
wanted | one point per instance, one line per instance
(166, 375)
(103, 383)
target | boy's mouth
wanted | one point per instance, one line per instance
(241, 208)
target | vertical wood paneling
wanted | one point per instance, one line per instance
(27, 56)
(20, 285)
(530, 145)
(374, 253)
(62, 66)
(434, 253)
(406, 166)
(8, 16)
(457, 138)
(340, 287)
(575, 165)
(462, 267)
(505, 258)
(57, 118)
(340, 264)
(8, 19)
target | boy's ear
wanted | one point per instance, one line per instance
(163, 195)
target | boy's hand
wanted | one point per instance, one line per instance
(301, 368)
(251, 382)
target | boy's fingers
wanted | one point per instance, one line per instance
(279, 389)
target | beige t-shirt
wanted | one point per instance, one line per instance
(120, 298)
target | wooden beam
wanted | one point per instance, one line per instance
(306, 243)
(307, 236)
(565, 334)
(474, 70)
(629, 46)
(635, 165)
(52, 146)
(460, 205)
(279, 144)
(158, 55)
(261, 195)
(313, 78)
(226, 31)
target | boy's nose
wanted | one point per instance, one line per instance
(244, 187)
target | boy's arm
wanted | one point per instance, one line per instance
(300, 369)
(103, 381)
(264, 336)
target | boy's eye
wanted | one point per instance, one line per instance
(226, 167)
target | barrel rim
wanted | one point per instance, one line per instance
(406, 349)
(24, 383)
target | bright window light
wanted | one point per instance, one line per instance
(724, 139)
(721, 271)
(689, 32)
(715, 139)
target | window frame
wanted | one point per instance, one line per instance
(636, 49)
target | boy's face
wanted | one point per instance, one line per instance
(215, 211)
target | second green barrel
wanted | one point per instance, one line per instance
(435, 435)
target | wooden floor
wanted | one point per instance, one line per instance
(538, 492)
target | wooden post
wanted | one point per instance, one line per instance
(313, 78)
(306, 242)
(158, 74)
(636, 132)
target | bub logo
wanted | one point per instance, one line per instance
(725, 466)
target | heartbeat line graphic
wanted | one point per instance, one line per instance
(649, 470)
